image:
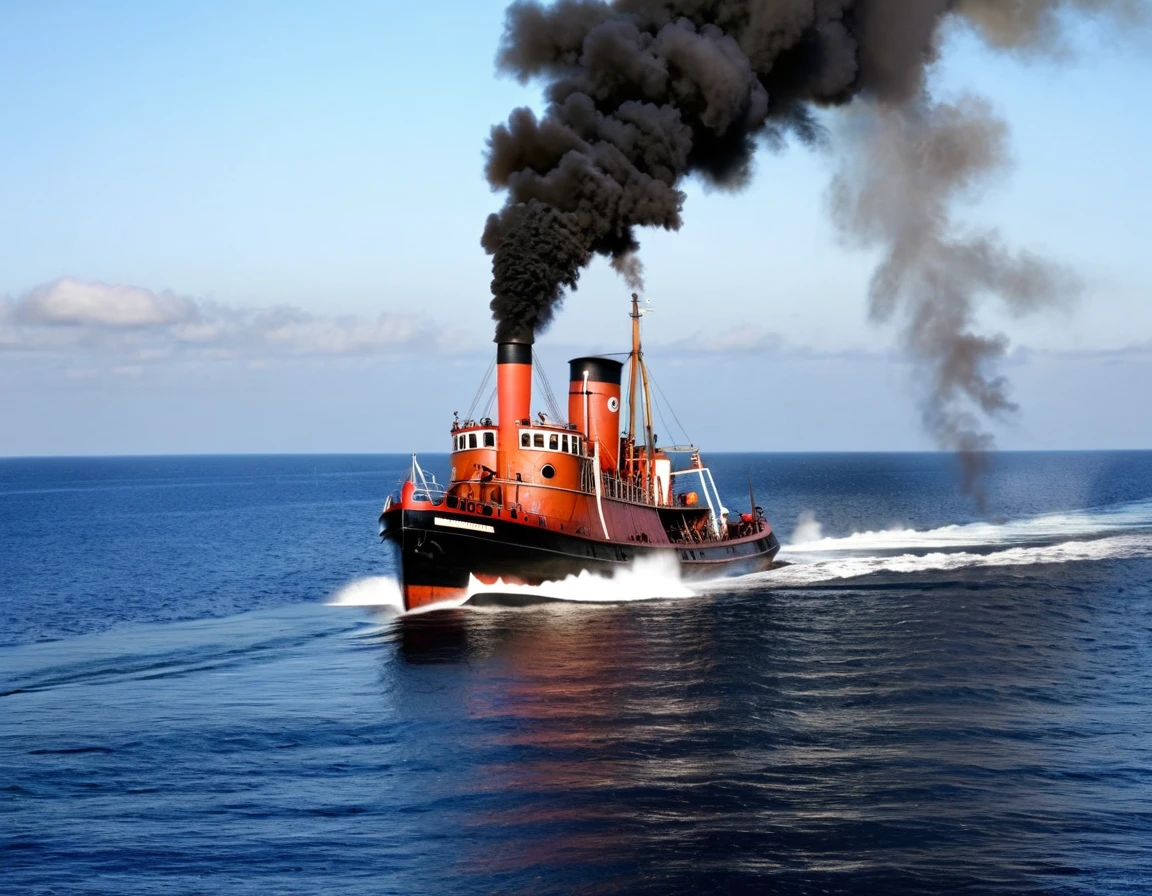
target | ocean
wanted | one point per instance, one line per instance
(206, 687)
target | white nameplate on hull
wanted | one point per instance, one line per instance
(461, 524)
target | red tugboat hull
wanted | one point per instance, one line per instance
(439, 550)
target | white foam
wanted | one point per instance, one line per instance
(808, 529)
(647, 578)
(1048, 527)
(1119, 547)
(380, 592)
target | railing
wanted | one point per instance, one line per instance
(623, 490)
(432, 492)
(611, 486)
(425, 488)
(429, 491)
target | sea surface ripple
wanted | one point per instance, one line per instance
(206, 687)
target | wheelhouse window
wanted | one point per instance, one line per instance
(548, 441)
(487, 438)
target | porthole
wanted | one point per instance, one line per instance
(613, 404)
(547, 471)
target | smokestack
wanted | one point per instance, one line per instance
(513, 390)
(602, 401)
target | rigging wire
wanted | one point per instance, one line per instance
(671, 410)
(480, 391)
(546, 388)
(660, 411)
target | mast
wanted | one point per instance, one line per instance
(638, 366)
(634, 357)
(650, 438)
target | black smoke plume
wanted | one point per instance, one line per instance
(901, 172)
(643, 93)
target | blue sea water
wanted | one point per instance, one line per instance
(205, 688)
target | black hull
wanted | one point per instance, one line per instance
(439, 550)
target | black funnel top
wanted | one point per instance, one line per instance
(514, 353)
(600, 370)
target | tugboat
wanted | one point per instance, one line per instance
(531, 501)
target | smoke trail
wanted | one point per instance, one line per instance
(643, 93)
(902, 172)
(1035, 25)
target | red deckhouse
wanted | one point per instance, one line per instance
(530, 501)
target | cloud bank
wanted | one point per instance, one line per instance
(72, 318)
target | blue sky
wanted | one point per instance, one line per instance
(288, 199)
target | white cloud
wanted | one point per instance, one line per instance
(751, 340)
(740, 339)
(131, 326)
(69, 302)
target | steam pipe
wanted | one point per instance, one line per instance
(587, 422)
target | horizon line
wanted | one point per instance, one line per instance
(812, 451)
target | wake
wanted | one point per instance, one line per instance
(1121, 532)
(1046, 528)
(811, 572)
